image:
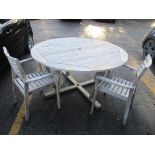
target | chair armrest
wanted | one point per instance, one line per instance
(130, 67)
(113, 82)
(39, 78)
(26, 60)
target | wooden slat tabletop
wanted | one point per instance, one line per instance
(79, 54)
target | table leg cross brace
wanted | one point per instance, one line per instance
(75, 85)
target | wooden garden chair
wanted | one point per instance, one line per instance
(28, 84)
(120, 88)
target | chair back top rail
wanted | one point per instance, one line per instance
(15, 65)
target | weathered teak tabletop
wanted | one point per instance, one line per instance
(79, 54)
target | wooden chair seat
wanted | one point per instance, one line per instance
(115, 89)
(33, 86)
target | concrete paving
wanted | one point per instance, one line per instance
(74, 117)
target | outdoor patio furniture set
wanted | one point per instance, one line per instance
(64, 55)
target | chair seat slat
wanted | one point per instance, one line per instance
(46, 81)
(32, 84)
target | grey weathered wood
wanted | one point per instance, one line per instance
(121, 88)
(28, 84)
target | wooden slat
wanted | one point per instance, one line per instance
(37, 83)
(124, 91)
(40, 81)
(32, 84)
(20, 82)
(119, 90)
(112, 85)
(116, 87)
(19, 85)
(46, 80)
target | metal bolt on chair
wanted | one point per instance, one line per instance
(120, 88)
(28, 84)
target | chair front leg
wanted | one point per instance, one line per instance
(127, 109)
(132, 98)
(26, 102)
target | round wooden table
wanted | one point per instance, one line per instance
(79, 54)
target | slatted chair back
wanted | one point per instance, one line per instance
(15, 65)
(143, 67)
